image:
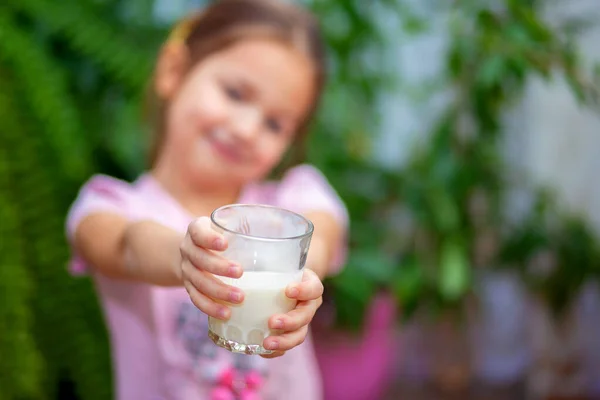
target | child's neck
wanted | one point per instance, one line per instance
(199, 200)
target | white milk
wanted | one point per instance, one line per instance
(264, 297)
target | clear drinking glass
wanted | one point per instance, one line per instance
(271, 245)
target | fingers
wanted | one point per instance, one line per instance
(197, 249)
(295, 323)
(286, 341)
(275, 354)
(197, 246)
(208, 261)
(199, 265)
(301, 316)
(310, 288)
(207, 305)
(210, 286)
(202, 235)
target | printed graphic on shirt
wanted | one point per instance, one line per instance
(230, 376)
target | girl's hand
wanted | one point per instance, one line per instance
(294, 324)
(199, 263)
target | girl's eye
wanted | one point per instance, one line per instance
(233, 93)
(273, 125)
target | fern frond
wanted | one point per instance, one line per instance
(20, 360)
(69, 327)
(45, 87)
(93, 38)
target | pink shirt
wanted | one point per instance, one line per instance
(159, 342)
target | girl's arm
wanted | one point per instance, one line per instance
(149, 252)
(142, 251)
(325, 240)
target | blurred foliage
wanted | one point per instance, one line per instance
(419, 231)
(71, 74)
(556, 253)
(21, 375)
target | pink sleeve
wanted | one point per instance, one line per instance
(100, 194)
(303, 189)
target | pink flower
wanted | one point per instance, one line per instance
(253, 380)
(221, 393)
(227, 377)
(248, 394)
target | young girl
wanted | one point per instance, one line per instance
(234, 89)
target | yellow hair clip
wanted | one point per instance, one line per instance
(182, 30)
(180, 33)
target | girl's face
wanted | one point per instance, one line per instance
(236, 112)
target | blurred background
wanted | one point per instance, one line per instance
(464, 137)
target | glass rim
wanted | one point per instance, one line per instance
(309, 233)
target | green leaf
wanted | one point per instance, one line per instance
(455, 274)
(353, 293)
(492, 72)
(408, 284)
(517, 34)
(444, 210)
(373, 264)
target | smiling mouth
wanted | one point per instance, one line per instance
(223, 149)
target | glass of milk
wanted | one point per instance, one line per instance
(271, 245)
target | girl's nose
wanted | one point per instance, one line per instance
(246, 124)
